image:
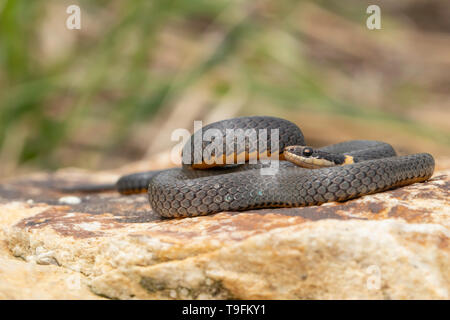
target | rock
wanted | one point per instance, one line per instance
(391, 245)
(23, 280)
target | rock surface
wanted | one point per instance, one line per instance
(392, 245)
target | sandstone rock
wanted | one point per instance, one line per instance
(392, 245)
(22, 280)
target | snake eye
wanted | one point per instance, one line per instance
(307, 152)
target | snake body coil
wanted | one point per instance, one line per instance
(185, 192)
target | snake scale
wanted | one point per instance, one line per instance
(188, 192)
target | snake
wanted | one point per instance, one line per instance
(267, 164)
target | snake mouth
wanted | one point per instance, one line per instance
(308, 157)
(236, 158)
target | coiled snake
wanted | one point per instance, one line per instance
(343, 171)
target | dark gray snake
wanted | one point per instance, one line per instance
(186, 192)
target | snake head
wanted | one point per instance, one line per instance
(308, 157)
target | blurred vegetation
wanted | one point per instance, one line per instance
(101, 96)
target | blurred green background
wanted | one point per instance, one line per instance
(113, 91)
